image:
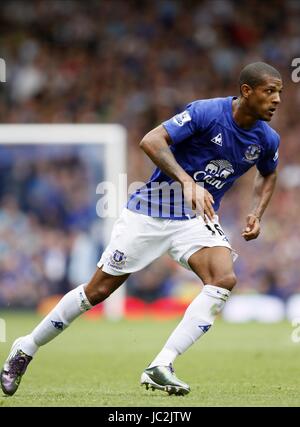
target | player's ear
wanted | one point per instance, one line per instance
(246, 90)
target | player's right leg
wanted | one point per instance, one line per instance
(200, 249)
(72, 305)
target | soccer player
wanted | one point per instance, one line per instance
(213, 142)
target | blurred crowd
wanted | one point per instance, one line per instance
(50, 235)
(138, 63)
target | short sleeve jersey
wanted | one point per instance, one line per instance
(213, 150)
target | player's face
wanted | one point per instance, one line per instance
(265, 98)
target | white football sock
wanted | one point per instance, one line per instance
(68, 309)
(198, 318)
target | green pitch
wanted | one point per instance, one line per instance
(98, 363)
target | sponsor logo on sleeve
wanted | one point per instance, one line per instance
(182, 118)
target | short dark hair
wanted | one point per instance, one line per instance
(253, 74)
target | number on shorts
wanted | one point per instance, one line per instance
(219, 229)
(210, 229)
(216, 227)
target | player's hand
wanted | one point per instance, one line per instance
(252, 229)
(208, 205)
(200, 200)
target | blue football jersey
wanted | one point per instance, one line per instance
(213, 150)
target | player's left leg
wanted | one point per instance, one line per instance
(215, 268)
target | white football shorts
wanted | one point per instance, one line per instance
(138, 239)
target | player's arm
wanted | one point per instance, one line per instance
(263, 190)
(156, 145)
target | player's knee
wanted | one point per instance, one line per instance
(101, 294)
(102, 285)
(98, 293)
(227, 281)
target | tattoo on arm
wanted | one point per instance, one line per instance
(160, 153)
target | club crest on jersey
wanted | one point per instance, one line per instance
(218, 140)
(216, 172)
(117, 260)
(182, 118)
(252, 153)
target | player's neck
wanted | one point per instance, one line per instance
(241, 114)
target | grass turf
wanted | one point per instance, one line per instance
(98, 363)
